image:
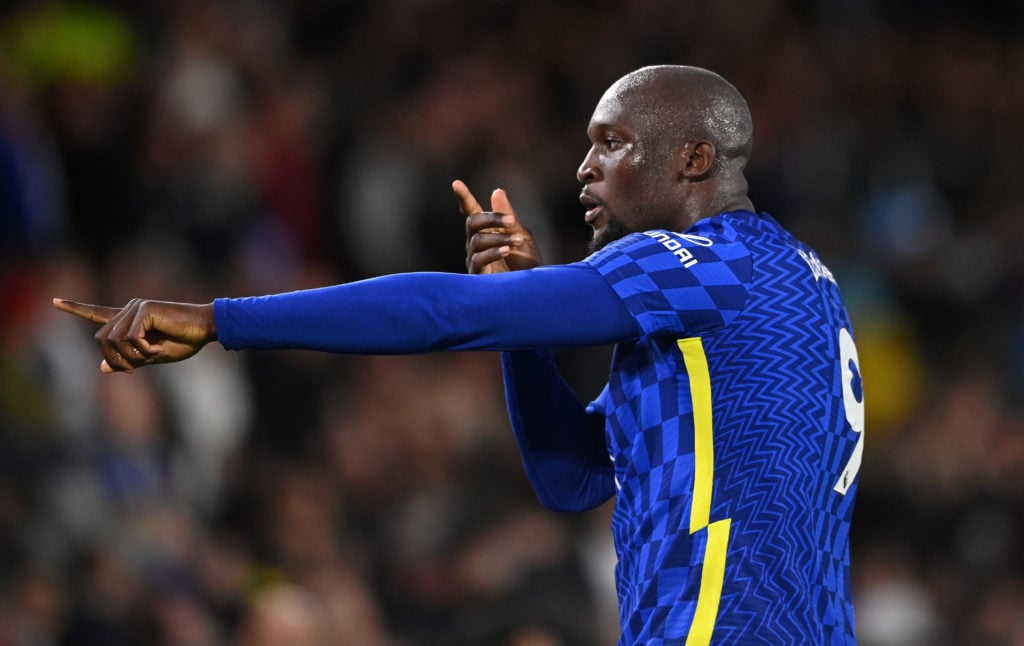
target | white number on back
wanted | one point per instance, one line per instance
(853, 401)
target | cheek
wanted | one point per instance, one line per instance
(631, 179)
(641, 169)
(646, 193)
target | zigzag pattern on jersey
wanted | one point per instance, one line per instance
(772, 364)
(774, 381)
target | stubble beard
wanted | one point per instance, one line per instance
(612, 231)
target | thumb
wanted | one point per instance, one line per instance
(501, 204)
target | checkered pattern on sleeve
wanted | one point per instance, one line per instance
(676, 284)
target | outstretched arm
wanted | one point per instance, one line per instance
(559, 306)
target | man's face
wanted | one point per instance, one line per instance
(627, 174)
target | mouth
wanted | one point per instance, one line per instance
(594, 207)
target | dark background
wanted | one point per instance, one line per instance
(187, 150)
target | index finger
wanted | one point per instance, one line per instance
(467, 203)
(94, 313)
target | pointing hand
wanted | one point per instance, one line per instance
(495, 240)
(146, 332)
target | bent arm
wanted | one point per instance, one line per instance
(559, 306)
(562, 445)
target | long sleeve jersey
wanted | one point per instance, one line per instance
(730, 430)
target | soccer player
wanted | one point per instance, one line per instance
(731, 428)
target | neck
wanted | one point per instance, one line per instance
(722, 194)
(735, 203)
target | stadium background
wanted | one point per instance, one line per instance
(186, 150)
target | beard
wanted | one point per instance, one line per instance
(613, 230)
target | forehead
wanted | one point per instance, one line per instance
(634, 103)
(616, 108)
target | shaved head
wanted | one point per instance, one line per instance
(668, 147)
(684, 103)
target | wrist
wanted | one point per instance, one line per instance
(209, 322)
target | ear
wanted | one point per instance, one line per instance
(696, 159)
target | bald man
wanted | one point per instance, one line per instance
(731, 427)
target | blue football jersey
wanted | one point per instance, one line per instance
(735, 426)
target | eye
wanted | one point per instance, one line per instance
(612, 143)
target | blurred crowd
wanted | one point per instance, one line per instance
(190, 149)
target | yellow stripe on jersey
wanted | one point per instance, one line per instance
(711, 576)
(703, 433)
(713, 569)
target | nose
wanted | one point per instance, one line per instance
(588, 171)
